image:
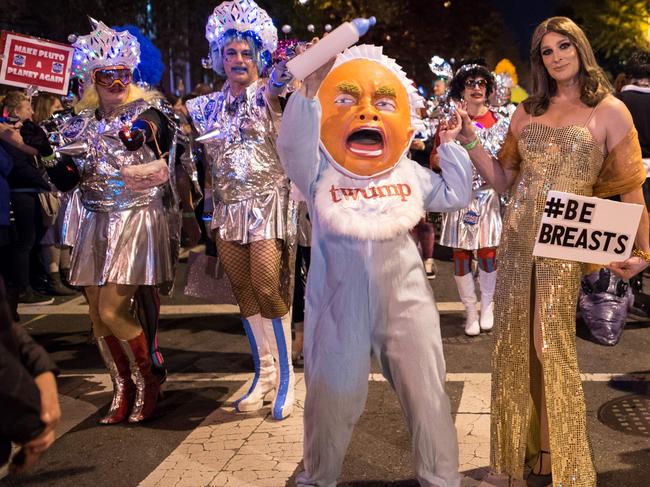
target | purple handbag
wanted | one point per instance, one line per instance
(604, 301)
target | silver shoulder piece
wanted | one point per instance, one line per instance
(203, 109)
(71, 140)
(74, 128)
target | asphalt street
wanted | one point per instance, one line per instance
(208, 360)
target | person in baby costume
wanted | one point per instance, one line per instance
(367, 291)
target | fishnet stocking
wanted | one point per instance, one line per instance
(254, 273)
(236, 262)
(266, 262)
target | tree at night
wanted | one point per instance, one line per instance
(614, 27)
(410, 30)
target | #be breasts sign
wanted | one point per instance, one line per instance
(29, 61)
(586, 229)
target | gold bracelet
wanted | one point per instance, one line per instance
(640, 253)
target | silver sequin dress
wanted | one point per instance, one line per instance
(479, 225)
(250, 189)
(120, 235)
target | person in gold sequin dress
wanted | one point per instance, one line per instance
(571, 135)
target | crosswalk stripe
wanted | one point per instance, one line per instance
(78, 306)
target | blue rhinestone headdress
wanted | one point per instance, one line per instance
(242, 16)
(102, 48)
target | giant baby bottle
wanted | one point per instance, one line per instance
(344, 36)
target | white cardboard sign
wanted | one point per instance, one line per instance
(586, 229)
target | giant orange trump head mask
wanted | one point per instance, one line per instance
(368, 112)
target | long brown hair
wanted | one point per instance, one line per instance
(43, 106)
(594, 85)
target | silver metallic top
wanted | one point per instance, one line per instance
(242, 153)
(491, 139)
(102, 187)
(479, 224)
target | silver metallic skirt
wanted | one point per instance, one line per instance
(262, 217)
(122, 247)
(476, 226)
(71, 216)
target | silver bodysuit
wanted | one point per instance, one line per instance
(123, 236)
(250, 190)
(479, 225)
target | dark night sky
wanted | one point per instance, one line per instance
(523, 16)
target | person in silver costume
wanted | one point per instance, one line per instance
(250, 192)
(477, 228)
(128, 229)
(436, 108)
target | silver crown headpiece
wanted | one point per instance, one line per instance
(102, 48)
(242, 15)
(503, 80)
(469, 67)
(441, 68)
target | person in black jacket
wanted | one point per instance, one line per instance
(26, 180)
(636, 96)
(6, 165)
(29, 404)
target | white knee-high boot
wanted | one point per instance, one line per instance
(265, 373)
(467, 293)
(487, 281)
(279, 335)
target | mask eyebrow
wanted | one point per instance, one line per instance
(349, 88)
(386, 91)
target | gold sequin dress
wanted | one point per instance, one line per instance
(563, 159)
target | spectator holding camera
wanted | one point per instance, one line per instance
(25, 142)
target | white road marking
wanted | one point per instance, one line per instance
(29, 322)
(78, 306)
(473, 422)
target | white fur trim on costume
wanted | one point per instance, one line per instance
(378, 208)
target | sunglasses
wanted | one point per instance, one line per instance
(479, 83)
(108, 77)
